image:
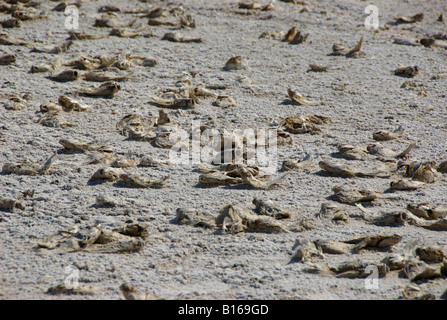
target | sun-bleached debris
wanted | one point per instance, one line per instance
(8, 40)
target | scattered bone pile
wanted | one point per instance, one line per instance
(86, 85)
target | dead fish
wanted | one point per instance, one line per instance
(275, 35)
(297, 98)
(424, 210)
(106, 89)
(108, 201)
(8, 40)
(305, 163)
(306, 251)
(64, 76)
(125, 33)
(75, 145)
(61, 289)
(192, 217)
(54, 120)
(335, 169)
(224, 101)
(26, 14)
(412, 292)
(241, 220)
(350, 152)
(11, 23)
(70, 104)
(218, 178)
(50, 107)
(107, 174)
(416, 18)
(375, 242)
(142, 182)
(16, 103)
(318, 68)
(333, 246)
(152, 162)
(340, 50)
(385, 135)
(60, 48)
(407, 185)
(431, 254)
(269, 208)
(357, 269)
(123, 163)
(236, 63)
(416, 270)
(259, 182)
(408, 72)
(348, 195)
(130, 293)
(177, 37)
(7, 59)
(341, 170)
(442, 167)
(10, 205)
(81, 35)
(302, 125)
(377, 149)
(333, 212)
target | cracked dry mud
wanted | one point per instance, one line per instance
(87, 183)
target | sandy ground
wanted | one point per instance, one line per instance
(362, 95)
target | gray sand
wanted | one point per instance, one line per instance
(362, 95)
